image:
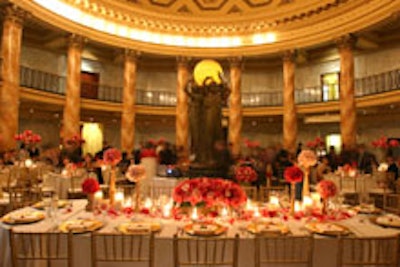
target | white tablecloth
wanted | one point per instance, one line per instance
(361, 184)
(324, 252)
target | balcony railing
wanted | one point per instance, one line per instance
(375, 84)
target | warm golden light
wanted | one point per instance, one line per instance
(76, 15)
(207, 69)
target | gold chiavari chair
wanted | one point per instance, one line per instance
(197, 251)
(251, 192)
(122, 248)
(51, 248)
(284, 250)
(391, 203)
(368, 251)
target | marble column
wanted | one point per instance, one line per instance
(182, 116)
(71, 118)
(289, 105)
(129, 99)
(235, 106)
(10, 70)
(347, 99)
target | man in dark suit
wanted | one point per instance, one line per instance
(366, 160)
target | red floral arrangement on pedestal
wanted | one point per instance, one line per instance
(210, 191)
(90, 185)
(112, 156)
(326, 189)
(28, 137)
(245, 174)
(316, 143)
(148, 153)
(135, 173)
(293, 174)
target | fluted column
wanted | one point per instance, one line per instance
(347, 100)
(128, 105)
(235, 105)
(72, 106)
(182, 116)
(10, 69)
(289, 105)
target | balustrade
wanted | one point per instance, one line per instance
(369, 85)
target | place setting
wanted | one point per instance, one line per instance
(26, 216)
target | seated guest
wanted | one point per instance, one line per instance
(392, 167)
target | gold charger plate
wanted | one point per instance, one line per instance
(204, 229)
(79, 226)
(40, 205)
(23, 217)
(367, 209)
(131, 228)
(327, 228)
(386, 221)
(267, 228)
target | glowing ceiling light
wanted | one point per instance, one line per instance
(116, 28)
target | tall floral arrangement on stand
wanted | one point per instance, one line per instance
(136, 173)
(384, 145)
(293, 175)
(306, 159)
(326, 189)
(112, 157)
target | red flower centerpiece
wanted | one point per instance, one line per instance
(136, 173)
(112, 157)
(90, 186)
(326, 189)
(293, 175)
(209, 192)
(245, 174)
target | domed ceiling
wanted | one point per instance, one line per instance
(217, 28)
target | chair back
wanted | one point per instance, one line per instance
(197, 251)
(52, 248)
(251, 192)
(265, 192)
(368, 251)
(284, 250)
(107, 247)
(391, 203)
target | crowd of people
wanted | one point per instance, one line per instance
(269, 162)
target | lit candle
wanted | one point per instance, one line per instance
(28, 163)
(249, 205)
(98, 196)
(128, 203)
(167, 210)
(194, 215)
(256, 213)
(118, 200)
(307, 203)
(148, 203)
(297, 206)
(224, 212)
(316, 199)
(274, 202)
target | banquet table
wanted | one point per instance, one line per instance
(325, 247)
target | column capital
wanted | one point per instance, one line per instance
(347, 41)
(235, 62)
(183, 61)
(130, 54)
(76, 41)
(289, 56)
(15, 14)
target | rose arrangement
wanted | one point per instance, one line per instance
(293, 174)
(251, 144)
(326, 189)
(135, 173)
(90, 185)
(383, 142)
(112, 156)
(148, 153)
(209, 191)
(28, 137)
(316, 143)
(245, 174)
(76, 139)
(307, 158)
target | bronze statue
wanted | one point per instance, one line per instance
(205, 115)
